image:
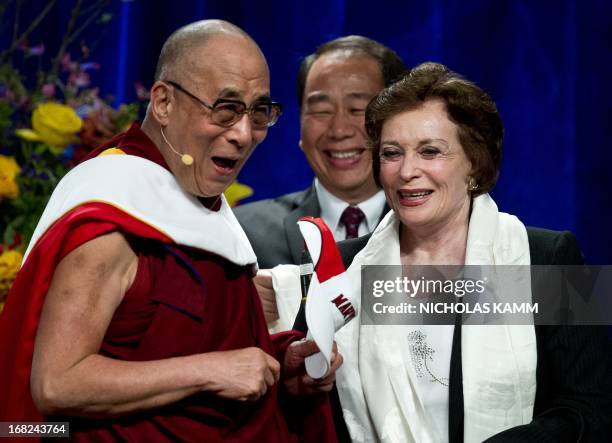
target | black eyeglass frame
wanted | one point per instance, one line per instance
(247, 110)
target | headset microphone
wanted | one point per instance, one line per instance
(185, 158)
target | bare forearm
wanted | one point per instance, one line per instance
(70, 377)
(102, 386)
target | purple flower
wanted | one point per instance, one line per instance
(67, 64)
(89, 66)
(36, 50)
(48, 89)
(79, 79)
(84, 110)
(141, 92)
(28, 171)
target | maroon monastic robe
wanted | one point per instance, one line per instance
(185, 301)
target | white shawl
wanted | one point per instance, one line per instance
(149, 193)
(377, 381)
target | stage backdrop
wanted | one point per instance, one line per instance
(547, 64)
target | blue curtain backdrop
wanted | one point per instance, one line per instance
(547, 64)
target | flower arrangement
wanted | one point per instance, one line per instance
(49, 120)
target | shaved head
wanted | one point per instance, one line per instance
(199, 64)
(175, 53)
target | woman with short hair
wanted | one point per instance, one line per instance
(436, 143)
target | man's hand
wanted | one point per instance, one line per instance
(263, 283)
(297, 381)
(243, 374)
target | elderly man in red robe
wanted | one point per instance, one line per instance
(134, 316)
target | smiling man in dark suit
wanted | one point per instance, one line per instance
(334, 86)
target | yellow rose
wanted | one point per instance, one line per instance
(236, 192)
(54, 124)
(9, 169)
(10, 262)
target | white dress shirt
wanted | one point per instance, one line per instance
(332, 208)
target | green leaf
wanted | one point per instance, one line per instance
(105, 18)
(9, 235)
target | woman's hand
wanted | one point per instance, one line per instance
(296, 380)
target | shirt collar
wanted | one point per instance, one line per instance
(332, 207)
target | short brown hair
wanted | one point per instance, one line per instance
(479, 125)
(391, 65)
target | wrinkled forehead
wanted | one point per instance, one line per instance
(345, 69)
(346, 61)
(427, 120)
(229, 67)
(342, 75)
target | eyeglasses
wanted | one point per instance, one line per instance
(226, 112)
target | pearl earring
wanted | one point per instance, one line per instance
(472, 184)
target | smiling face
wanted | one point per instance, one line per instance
(424, 170)
(337, 90)
(227, 66)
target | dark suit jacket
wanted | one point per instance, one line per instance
(574, 370)
(271, 226)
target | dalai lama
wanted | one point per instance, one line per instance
(134, 317)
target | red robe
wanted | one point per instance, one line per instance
(204, 303)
